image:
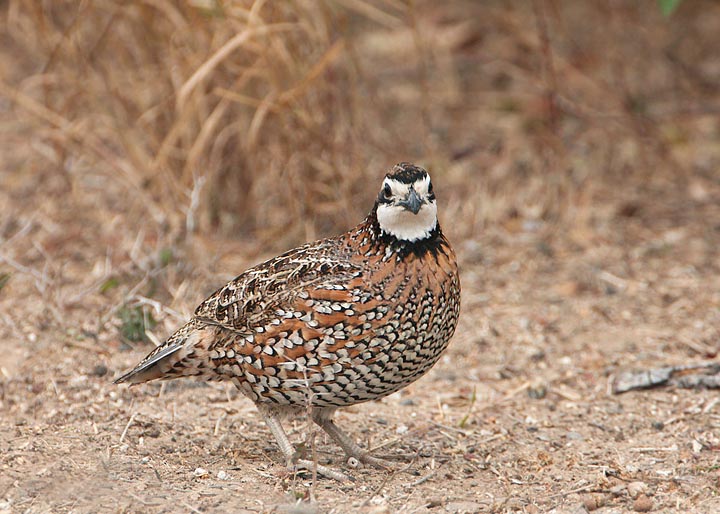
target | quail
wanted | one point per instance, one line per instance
(329, 324)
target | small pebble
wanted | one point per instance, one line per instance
(593, 501)
(575, 436)
(697, 446)
(99, 371)
(513, 504)
(618, 490)
(643, 504)
(152, 432)
(463, 506)
(144, 460)
(401, 429)
(222, 475)
(635, 489)
(537, 392)
(200, 472)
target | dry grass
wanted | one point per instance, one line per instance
(241, 116)
(150, 150)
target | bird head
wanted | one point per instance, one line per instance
(406, 207)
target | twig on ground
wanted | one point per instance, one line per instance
(649, 449)
(127, 427)
(491, 438)
(144, 502)
(384, 444)
(191, 508)
(578, 489)
(711, 405)
(648, 378)
(217, 424)
(424, 479)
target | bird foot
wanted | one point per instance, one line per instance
(354, 461)
(310, 466)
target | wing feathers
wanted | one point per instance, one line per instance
(166, 358)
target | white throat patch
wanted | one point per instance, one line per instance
(400, 222)
(406, 226)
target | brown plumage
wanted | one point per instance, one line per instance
(332, 323)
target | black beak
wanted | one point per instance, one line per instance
(412, 202)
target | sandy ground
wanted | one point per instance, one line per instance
(517, 417)
(588, 246)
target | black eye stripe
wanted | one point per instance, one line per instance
(385, 194)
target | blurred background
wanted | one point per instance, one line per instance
(213, 134)
(151, 150)
(275, 120)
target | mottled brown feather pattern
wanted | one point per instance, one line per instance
(348, 326)
(333, 323)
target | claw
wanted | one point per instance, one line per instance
(368, 459)
(309, 466)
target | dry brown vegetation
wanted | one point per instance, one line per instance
(151, 150)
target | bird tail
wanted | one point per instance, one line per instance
(176, 357)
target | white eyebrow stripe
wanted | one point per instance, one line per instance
(422, 186)
(398, 188)
(401, 189)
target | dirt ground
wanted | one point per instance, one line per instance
(518, 416)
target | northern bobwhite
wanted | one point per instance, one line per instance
(332, 323)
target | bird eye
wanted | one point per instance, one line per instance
(387, 192)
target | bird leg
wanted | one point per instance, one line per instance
(288, 450)
(324, 420)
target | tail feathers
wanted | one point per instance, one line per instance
(163, 361)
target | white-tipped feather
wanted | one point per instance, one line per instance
(144, 371)
(161, 362)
